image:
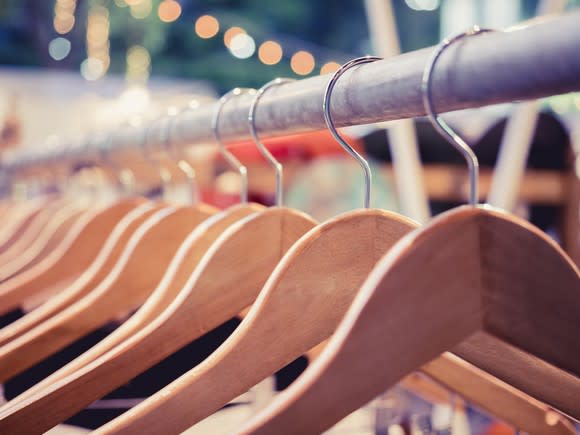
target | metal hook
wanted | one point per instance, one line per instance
(330, 123)
(125, 176)
(164, 173)
(231, 159)
(182, 164)
(440, 125)
(254, 132)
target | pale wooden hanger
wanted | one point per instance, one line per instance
(73, 255)
(17, 220)
(53, 230)
(226, 280)
(188, 255)
(480, 271)
(89, 279)
(315, 280)
(124, 288)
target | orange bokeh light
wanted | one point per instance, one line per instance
(169, 11)
(231, 33)
(329, 67)
(270, 53)
(207, 26)
(302, 62)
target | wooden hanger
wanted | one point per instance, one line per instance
(480, 271)
(17, 219)
(89, 279)
(76, 252)
(31, 232)
(189, 254)
(52, 231)
(402, 319)
(139, 269)
(226, 280)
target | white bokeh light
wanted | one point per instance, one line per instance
(92, 69)
(59, 48)
(242, 46)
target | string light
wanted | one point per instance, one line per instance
(207, 26)
(302, 62)
(169, 11)
(140, 9)
(230, 33)
(64, 18)
(97, 62)
(329, 67)
(59, 48)
(138, 65)
(242, 46)
(270, 53)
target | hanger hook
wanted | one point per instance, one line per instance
(261, 147)
(182, 164)
(439, 124)
(231, 159)
(125, 176)
(330, 123)
(164, 173)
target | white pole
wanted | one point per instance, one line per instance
(402, 137)
(516, 141)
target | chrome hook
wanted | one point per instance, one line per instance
(261, 147)
(182, 164)
(231, 159)
(440, 125)
(330, 123)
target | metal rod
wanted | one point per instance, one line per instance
(528, 62)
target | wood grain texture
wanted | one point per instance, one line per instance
(227, 279)
(496, 397)
(189, 254)
(76, 252)
(428, 294)
(88, 280)
(299, 306)
(139, 269)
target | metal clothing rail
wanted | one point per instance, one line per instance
(530, 61)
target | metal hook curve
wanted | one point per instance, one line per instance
(440, 125)
(261, 147)
(330, 123)
(164, 173)
(182, 164)
(230, 158)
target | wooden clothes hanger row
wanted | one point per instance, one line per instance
(367, 227)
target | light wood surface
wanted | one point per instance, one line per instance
(135, 275)
(496, 397)
(227, 279)
(188, 255)
(17, 219)
(88, 280)
(30, 233)
(468, 270)
(51, 233)
(299, 306)
(72, 256)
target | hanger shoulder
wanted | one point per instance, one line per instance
(189, 254)
(441, 306)
(139, 269)
(496, 397)
(87, 281)
(16, 224)
(307, 293)
(72, 256)
(226, 280)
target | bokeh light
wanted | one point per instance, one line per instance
(302, 62)
(59, 48)
(230, 33)
(242, 46)
(169, 11)
(207, 26)
(329, 67)
(141, 9)
(270, 52)
(92, 69)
